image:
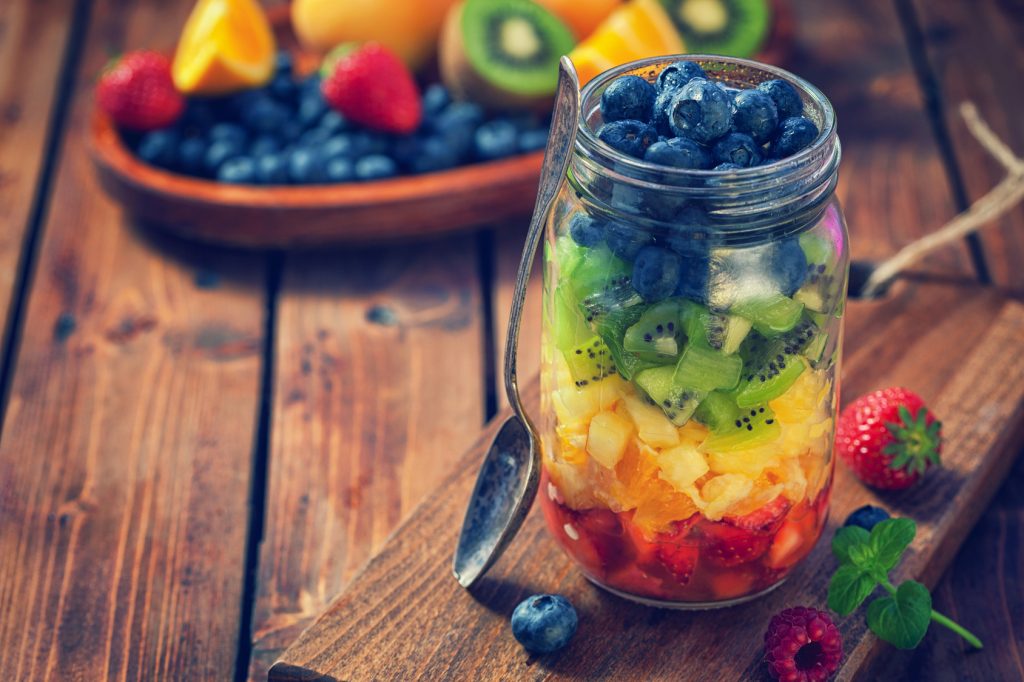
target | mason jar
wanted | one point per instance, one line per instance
(687, 433)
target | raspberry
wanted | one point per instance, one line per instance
(802, 645)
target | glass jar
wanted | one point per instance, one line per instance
(687, 438)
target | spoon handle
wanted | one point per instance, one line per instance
(556, 163)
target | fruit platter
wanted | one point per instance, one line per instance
(280, 129)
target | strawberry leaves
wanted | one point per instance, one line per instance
(865, 559)
(916, 441)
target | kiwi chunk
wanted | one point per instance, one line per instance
(717, 411)
(719, 331)
(590, 362)
(599, 272)
(772, 365)
(503, 53)
(823, 287)
(752, 427)
(704, 369)
(678, 402)
(569, 328)
(771, 315)
(657, 335)
(729, 27)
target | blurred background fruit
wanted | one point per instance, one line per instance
(582, 16)
(226, 45)
(731, 27)
(408, 27)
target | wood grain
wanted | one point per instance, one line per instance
(125, 465)
(378, 390)
(31, 32)
(974, 51)
(405, 617)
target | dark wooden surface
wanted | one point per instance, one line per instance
(201, 448)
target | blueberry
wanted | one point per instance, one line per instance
(312, 107)
(220, 151)
(679, 152)
(789, 265)
(457, 124)
(532, 140)
(656, 273)
(727, 166)
(495, 139)
(628, 98)
(693, 279)
(271, 169)
(159, 147)
(263, 144)
(544, 623)
(333, 122)
(794, 134)
(700, 110)
(675, 76)
(315, 137)
(738, 148)
(340, 170)
(629, 137)
(239, 170)
(367, 143)
(191, 153)
(283, 88)
(625, 241)
(660, 113)
(754, 113)
(586, 230)
(787, 99)
(231, 132)
(305, 165)
(375, 167)
(435, 99)
(199, 114)
(433, 154)
(686, 237)
(340, 145)
(867, 517)
(283, 63)
(291, 131)
(264, 115)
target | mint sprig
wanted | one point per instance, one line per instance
(865, 559)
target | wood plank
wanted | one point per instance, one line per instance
(405, 616)
(126, 459)
(508, 249)
(975, 53)
(378, 390)
(31, 32)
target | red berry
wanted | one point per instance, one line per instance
(765, 519)
(677, 552)
(726, 545)
(372, 86)
(137, 92)
(889, 438)
(802, 645)
(598, 544)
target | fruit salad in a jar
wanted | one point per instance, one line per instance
(691, 334)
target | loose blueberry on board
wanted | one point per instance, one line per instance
(544, 623)
(787, 99)
(678, 152)
(701, 110)
(675, 76)
(754, 113)
(789, 265)
(240, 170)
(627, 98)
(586, 230)
(159, 147)
(867, 517)
(629, 137)
(375, 167)
(738, 148)
(794, 134)
(625, 241)
(495, 139)
(656, 273)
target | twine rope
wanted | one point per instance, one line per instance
(982, 213)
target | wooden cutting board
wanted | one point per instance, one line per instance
(404, 617)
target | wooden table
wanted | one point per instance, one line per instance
(200, 447)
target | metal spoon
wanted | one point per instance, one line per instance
(510, 475)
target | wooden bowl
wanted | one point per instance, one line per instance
(403, 208)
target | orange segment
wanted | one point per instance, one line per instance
(226, 45)
(637, 30)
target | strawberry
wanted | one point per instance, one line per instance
(889, 438)
(726, 545)
(372, 86)
(598, 542)
(764, 520)
(137, 92)
(677, 553)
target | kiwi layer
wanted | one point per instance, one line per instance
(729, 27)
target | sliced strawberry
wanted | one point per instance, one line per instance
(677, 551)
(765, 519)
(726, 545)
(787, 546)
(599, 543)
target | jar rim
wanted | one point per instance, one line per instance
(588, 142)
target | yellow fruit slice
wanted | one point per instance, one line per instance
(637, 30)
(226, 45)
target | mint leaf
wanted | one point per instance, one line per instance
(847, 538)
(848, 589)
(902, 619)
(889, 539)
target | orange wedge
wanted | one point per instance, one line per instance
(226, 45)
(637, 30)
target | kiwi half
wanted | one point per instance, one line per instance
(503, 53)
(730, 27)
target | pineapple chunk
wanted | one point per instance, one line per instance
(572, 484)
(749, 463)
(651, 423)
(609, 434)
(572, 442)
(791, 475)
(693, 432)
(800, 402)
(681, 466)
(574, 404)
(724, 492)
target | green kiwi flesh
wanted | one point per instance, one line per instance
(730, 27)
(677, 402)
(704, 369)
(720, 331)
(772, 365)
(752, 427)
(822, 288)
(657, 334)
(717, 411)
(590, 362)
(771, 315)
